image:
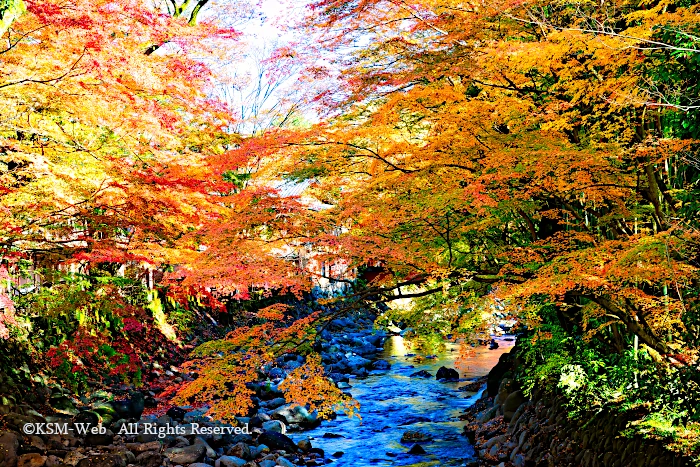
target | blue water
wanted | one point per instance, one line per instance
(393, 402)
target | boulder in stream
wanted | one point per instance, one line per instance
(416, 449)
(413, 436)
(447, 374)
(291, 414)
(277, 441)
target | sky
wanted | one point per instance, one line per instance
(269, 24)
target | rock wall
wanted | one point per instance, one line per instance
(511, 430)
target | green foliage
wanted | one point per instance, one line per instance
(10, 10)
(674, 75)
(661, 401)
(430, 319)
(237, 179)
(544, 351)
(94, 327)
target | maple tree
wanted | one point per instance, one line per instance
(510, 153)
(114, 166)
(537, 156)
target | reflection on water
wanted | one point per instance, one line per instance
(393, 402)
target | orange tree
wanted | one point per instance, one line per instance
(542, 154)
(114, 162)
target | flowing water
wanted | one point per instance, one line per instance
(392, 402)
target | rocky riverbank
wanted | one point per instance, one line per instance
(511, 430)
(100, 430)
(103, 432)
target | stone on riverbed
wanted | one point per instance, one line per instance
(176, 413)
(186, 455)
(277, 441)
(31, 460)
(229, 461)
(416, 449)
(103, 460)
(472, 387)
(413, 436)
(355, 362)
(381, 365)
(297, 414)
(447, 374)
(9, 444)
(421, 374)
(487, 414)
(275, 425)
(284, 462)
(240, 450)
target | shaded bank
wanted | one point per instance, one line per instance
(510, 430)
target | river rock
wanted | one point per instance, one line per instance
(512, 403)
(257, 420)
(297, 414)
(31, 460)
(413, 436)
(486, 415)
(381, 365)
(258, 450)
(421, 374)
(88, 418)
(186, 455)
(73, 457)
(275, 425)
(9, 444)
(277, 441)
(149, 459)
(131, 407)
(240, 450)
(416, 449)
(176, 413)
(304, 445)
(339, 377)
(102, 460)
(505, 364)
(63, 405)
(208, 451)
(355, 362)
(506, 387)
(141, 447)
(276, 373)
(54, 461)
(320, 453)
(472, 387)
(229, 461)
(284, 462)
(99, 439)
(447, 374)
(33, 443)
(276, 403)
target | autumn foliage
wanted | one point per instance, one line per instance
(540, 157)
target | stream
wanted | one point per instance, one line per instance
(392, 402)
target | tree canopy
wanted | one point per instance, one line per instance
(537, 156)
